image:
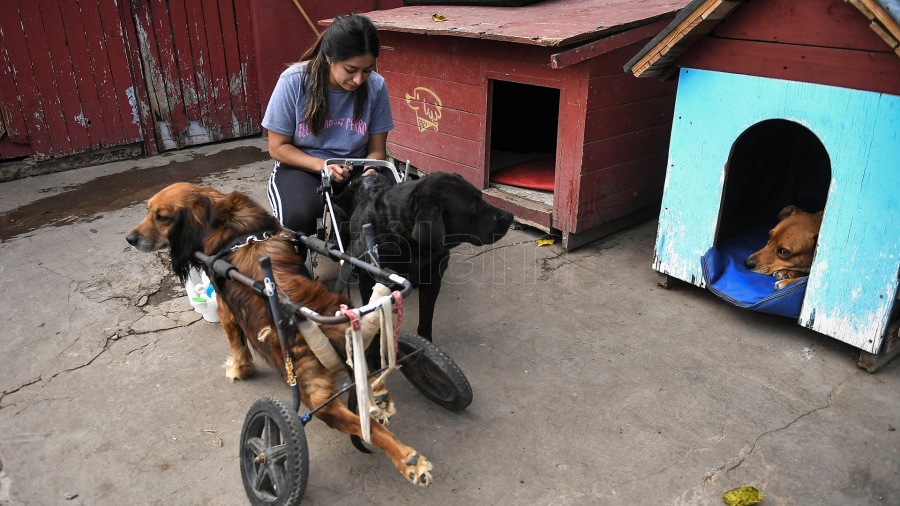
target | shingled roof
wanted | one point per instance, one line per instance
(700, 17)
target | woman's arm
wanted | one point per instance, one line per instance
(282, 150)
(378, 146)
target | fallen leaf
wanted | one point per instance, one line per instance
(544, 242)
(438, 17)
(742, 496)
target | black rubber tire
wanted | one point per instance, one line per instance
(433, 373)
(272, 428)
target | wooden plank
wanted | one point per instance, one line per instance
(861, 70)
(821, 23)
(47, 106)
(600, 184)
(218, 71)
(890, 348)
(611, 43)
(525, 211)
(10, 149)
(553, 23)
(153, 76)
(10, 106)
(167, 66)
(638, 203)
(456, 96)
(430, 162)
(884, 18)
(99, 62)
(91, 117)
(695, 24)
(64, 78)
(442, 63)
(463, 151)
(620, 89)
(885, 36)
(453, 122)
(460, 47)
(124, 64)
(619, 120)
(202, 70)
(234, 83)
(248, 64)
(186, 72)
(613, 62)
(620, 149)
(573, 240)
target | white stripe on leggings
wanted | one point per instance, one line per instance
(274, 196)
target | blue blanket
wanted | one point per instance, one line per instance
(726, 276)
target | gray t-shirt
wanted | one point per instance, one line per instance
(342, 137)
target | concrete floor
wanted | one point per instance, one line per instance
(592, 385)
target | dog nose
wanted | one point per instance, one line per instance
(750, 263)
(132, 239)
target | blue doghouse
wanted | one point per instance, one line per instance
(782, 102)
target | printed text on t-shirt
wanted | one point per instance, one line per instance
(360, 127)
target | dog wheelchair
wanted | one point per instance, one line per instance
(328, 227)
(274, 457)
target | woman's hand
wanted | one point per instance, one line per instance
(338, 173)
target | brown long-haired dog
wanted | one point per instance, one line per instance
(186, 218)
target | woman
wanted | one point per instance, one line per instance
(331, 104)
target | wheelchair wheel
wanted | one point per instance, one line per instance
(433, 373)
(274, 456)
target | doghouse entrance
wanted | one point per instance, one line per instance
(773, 164)
(523, 125)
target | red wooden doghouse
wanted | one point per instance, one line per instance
(532, 104)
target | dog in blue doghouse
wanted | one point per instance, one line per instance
(788, 254)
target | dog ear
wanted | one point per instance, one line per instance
(787, 211)
(429, 227)
(186, 236)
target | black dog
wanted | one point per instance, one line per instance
(415, 225)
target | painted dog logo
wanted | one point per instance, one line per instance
(424, 100)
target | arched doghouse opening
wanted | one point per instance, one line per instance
(773, 164)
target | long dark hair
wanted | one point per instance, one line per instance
(348, 36)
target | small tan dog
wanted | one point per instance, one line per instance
(788, 255)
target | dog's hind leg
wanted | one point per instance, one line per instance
(413, 466)
(317, 386)
(240, 364)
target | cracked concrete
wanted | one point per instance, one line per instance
(592, 385)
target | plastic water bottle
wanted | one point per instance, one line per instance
(212, 304)
(202, 295)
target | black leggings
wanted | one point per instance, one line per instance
(294, 199)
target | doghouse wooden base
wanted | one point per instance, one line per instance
(890, 348)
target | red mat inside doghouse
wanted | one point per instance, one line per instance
(537, 174)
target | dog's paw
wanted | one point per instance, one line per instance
(784, 283)
(786, 277)
(234, 371)
(384, 407)
(417, 470)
